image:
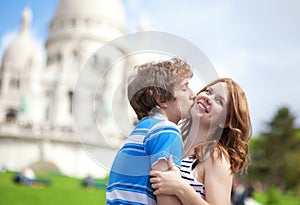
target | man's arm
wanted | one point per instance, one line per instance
(172, 183)
(162, 165)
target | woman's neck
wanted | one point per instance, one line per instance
(196, 135)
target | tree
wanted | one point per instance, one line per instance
(275, 153)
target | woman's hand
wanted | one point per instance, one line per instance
(168, 182)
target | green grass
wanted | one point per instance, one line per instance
(68, 191)
(62, 191)
(274, 197)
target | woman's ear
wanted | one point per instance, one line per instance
(161, 103)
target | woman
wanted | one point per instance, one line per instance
(216, 147)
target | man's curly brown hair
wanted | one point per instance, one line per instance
(156, 80)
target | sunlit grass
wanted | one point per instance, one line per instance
(62, 190)
(274, 197)
(68, 191)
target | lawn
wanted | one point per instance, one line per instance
(62, 191)
(68, 191)
(274, 197)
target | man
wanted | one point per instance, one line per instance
(160, 96)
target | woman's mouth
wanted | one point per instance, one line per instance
(202, 107)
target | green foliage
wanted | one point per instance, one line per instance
(276, 153)
(62, 191)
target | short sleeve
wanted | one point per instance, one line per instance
(162, 141)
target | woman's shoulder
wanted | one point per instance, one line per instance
(218, 158)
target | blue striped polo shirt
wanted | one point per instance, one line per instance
(152, 139)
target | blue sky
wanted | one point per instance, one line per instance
(255, 42)
(11, 11)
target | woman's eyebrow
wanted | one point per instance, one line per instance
(220, 95)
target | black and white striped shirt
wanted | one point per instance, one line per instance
(186, 173)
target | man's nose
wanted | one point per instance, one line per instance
(192, 95)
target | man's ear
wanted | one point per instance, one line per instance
(161, 103)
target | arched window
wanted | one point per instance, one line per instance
(73, 22)
(70, 96)
(14, 83)
(49, 94)
(11, 115)
(76, 60)
(87, 21)
(59, 57)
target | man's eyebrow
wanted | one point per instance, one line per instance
(185, 84)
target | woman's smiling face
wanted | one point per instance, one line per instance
(211, 105)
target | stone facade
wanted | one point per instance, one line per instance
(36, 98)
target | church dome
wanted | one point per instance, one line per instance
(23, 51)
(111, 10)
(81, 26)
(89, 19)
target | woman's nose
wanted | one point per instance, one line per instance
(205, 96)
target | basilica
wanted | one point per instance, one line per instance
(37, 126)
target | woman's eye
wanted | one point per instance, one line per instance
(220, 102)
(208, 92)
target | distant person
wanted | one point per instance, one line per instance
(3, 168)
(160, 95)
(242, 195)
(216, 147)
(27, 177)
(88, 182)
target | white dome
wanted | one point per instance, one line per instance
(91, 20)
(101, 9)
(23, 50)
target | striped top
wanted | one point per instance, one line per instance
(186, 173)
(152, 139)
